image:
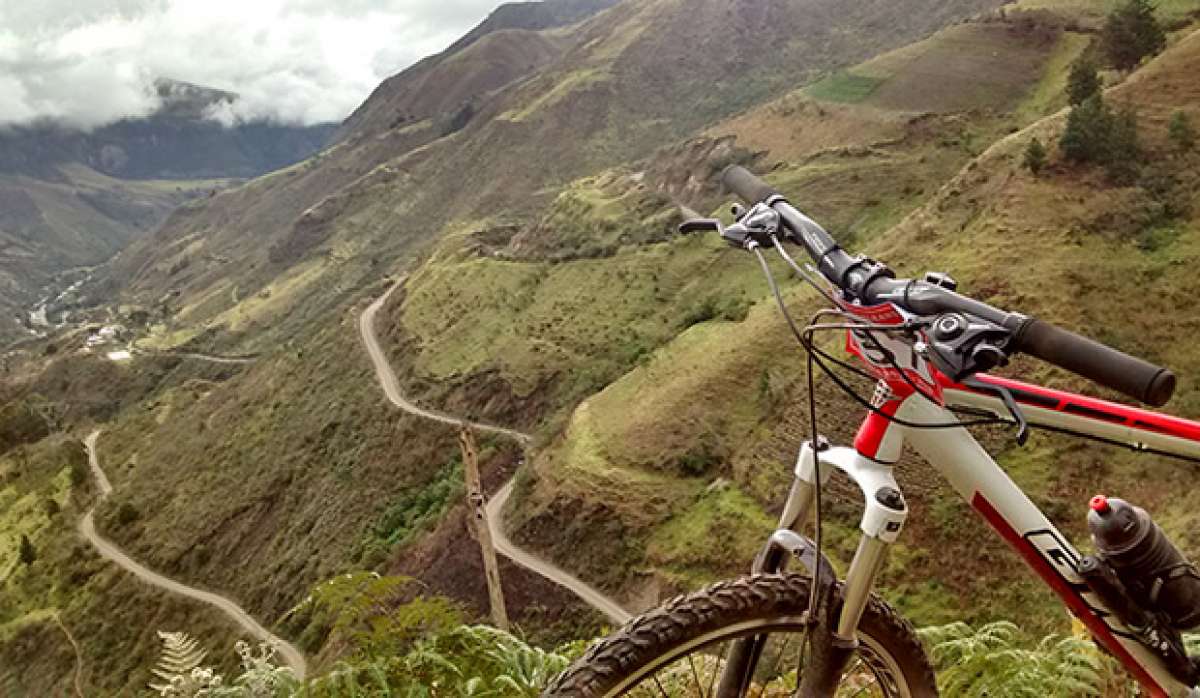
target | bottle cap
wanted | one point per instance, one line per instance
(1099, 504)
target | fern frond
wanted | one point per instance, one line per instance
(181, 653)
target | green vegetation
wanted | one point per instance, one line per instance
(21, 422)
(106, 609)
(1035, 156)
(844, 86)
(412, 512)
(374, 616)
(1083, 82)
(462, 661)
(556, 297)
(1095, 134)
(1181, 131)
(25, 552)
(127, 514)
(566, 84)
(1132, 33)
(997, 659)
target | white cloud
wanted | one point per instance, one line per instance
(91, 62)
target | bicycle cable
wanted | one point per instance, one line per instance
(811, 348)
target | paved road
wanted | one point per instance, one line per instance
(87, 528)
(504, 545)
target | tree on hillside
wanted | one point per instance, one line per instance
(1181, 132)
(1035, 156)
(1083, 81)
(1122, 156)
(1096, 135)
(1086, 135)
(26, 553)
(1131, 33)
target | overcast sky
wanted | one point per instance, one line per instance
(90, 62)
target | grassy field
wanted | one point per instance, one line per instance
(844, 86)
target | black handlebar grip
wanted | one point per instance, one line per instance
(1132, 376)
(746, 185)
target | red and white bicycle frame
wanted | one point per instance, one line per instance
(976, 476)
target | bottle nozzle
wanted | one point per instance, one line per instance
(1099, 504)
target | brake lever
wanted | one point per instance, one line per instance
(755, 228)
(1006, 396)
(701, 225)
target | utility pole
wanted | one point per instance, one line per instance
(481, 528)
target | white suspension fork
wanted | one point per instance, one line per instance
(883, 518)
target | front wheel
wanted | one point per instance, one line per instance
(679, 649)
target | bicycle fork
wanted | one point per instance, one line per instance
(833, 632)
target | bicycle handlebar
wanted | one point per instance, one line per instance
(1127, 374)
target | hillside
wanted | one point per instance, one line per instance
(51, 227)
(372, 199)
(546, 290)
(72, 199)
(1066, 246)
(456, 78)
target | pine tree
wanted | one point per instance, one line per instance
(1086, 135)
(1083, 81)
(26, 553)
(1131, 33)
(1122, 154)
(1035, 156)
(1181, 132)
(1095, 134)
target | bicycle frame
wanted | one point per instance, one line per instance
(983, 484)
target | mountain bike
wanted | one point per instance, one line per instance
(927, 349)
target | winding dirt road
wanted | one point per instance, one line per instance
(78, 655)
(504, 545)
(87, 528)
(211, 358)
(201, 356)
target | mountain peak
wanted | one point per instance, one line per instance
(186, 100)
(533, 16)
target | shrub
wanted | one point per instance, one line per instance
(1035, 156)
(700, 460)
(21, 423)
(1083, 82)
(1131, 33)
(998, 660)
(374, 616)
(78, 474)
(51, 507)
(127, 514)
(415, 509)
(1123, 155)
(1181, 132)
(1086, 134)
(26, 553)
(728, 308)
(1094, 134)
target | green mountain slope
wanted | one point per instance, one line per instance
(75, 218)
(549, 292)
(1067, 246)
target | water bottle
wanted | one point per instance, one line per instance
(1157, 576)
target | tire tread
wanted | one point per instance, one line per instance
(656, 632)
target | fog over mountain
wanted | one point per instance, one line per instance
(292, 61)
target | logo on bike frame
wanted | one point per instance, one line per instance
(890, 355)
